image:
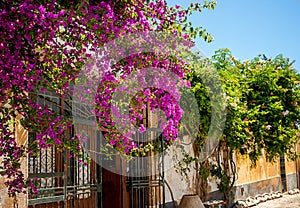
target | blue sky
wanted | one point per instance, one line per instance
(252, 27)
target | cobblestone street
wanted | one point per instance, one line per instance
(287, 201)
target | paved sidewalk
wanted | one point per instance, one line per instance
(287, 201)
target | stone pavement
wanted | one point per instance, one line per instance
(286, 201)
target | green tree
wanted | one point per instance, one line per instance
(262, 113)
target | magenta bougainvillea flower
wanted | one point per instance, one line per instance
(44, 45)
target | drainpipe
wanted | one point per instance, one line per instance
(297, 168)
(284, 187)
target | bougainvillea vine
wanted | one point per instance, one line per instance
(44, 46)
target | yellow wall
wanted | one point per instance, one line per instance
(290, 166)
(21, 199)
(263, 170)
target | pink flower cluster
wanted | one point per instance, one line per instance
(45, 45)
